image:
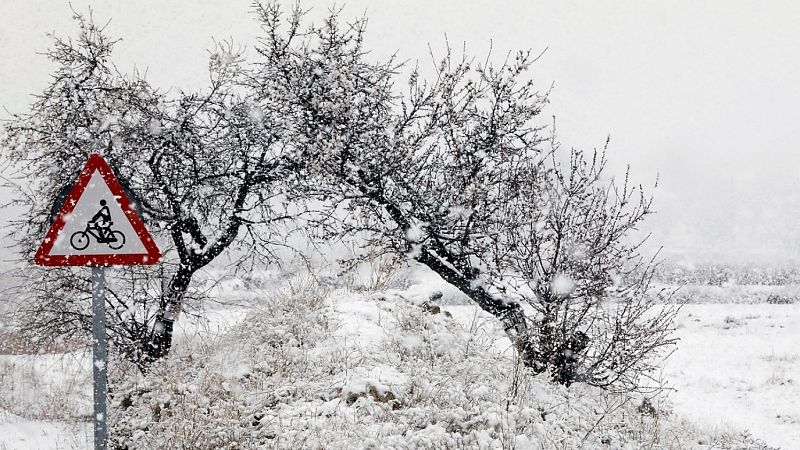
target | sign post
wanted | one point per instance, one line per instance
(99, 355)
(97, 226)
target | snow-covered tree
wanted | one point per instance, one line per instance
(568, 251)
(460, 174)
(208, 171)
(422, 175)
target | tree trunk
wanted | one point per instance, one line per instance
(171, 302)
(514, 322)
(510, 314)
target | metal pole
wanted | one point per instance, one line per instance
(99, 355)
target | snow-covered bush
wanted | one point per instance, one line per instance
(777, 299)
(314, 368)
(213, 395)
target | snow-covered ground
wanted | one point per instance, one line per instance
(45, 401)
(737, 367)
(18, 433)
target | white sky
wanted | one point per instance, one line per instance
(706, 94)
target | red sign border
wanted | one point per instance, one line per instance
(97, 163)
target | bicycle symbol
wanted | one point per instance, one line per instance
(98, 227)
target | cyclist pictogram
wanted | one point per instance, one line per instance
(98, 227)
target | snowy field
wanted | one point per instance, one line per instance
(737, 367)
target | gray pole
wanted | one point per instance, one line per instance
(99, 355)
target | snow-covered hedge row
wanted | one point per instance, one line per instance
(735, 293)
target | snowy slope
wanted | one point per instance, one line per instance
(326, 367)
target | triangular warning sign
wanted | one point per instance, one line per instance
(97, 225)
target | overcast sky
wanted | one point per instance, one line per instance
(704, 94)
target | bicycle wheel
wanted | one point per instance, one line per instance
(119, 242)
(79, 240)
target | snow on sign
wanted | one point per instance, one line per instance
(97, 225)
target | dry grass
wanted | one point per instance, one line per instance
(14, 343)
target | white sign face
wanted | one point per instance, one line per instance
(97, 225)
